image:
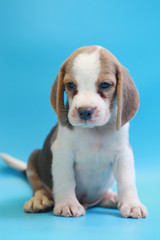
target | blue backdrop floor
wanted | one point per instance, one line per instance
(98, 223)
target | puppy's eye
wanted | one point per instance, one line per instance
(104, 85)
(70, 85)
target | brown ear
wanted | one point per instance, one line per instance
(57, 97)
(53, 95)
(127, 97)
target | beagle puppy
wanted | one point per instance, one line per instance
(89, 148)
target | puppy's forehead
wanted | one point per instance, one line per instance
(86, 68)
(87, 63)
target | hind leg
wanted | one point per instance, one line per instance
(40, 202)
(109, 200)
(42, 196)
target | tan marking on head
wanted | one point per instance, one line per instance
(57, 92)
(69, 77)
(108, 78)
(108, 74)
(127, 94)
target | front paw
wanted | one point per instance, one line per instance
(133, 210)
(69, 209)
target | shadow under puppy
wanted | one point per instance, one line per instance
(89, 148)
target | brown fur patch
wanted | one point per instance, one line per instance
(32, 173)
(108, 74)
(53, 95)
(70, 78)
(127, 97)
(127, 94)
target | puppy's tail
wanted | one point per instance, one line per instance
(14, 163)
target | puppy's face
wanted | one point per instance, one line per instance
(90, 87)
(93, 78)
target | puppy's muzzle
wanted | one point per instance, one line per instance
(85, 113)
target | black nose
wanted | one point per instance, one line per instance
(85, 113)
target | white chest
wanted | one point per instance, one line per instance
(91, 153)
(93, 169)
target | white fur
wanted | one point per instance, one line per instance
(13, 162)
(92, 156)
(86, 68)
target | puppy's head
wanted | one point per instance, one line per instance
(97, 86)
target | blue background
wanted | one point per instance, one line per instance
(35, 38)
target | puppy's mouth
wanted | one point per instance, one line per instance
(87, 117)
(87, 124)
(91, 123)
(84, 124)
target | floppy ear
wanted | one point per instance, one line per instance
(57, 97)
(127, 97)
(53, 94)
